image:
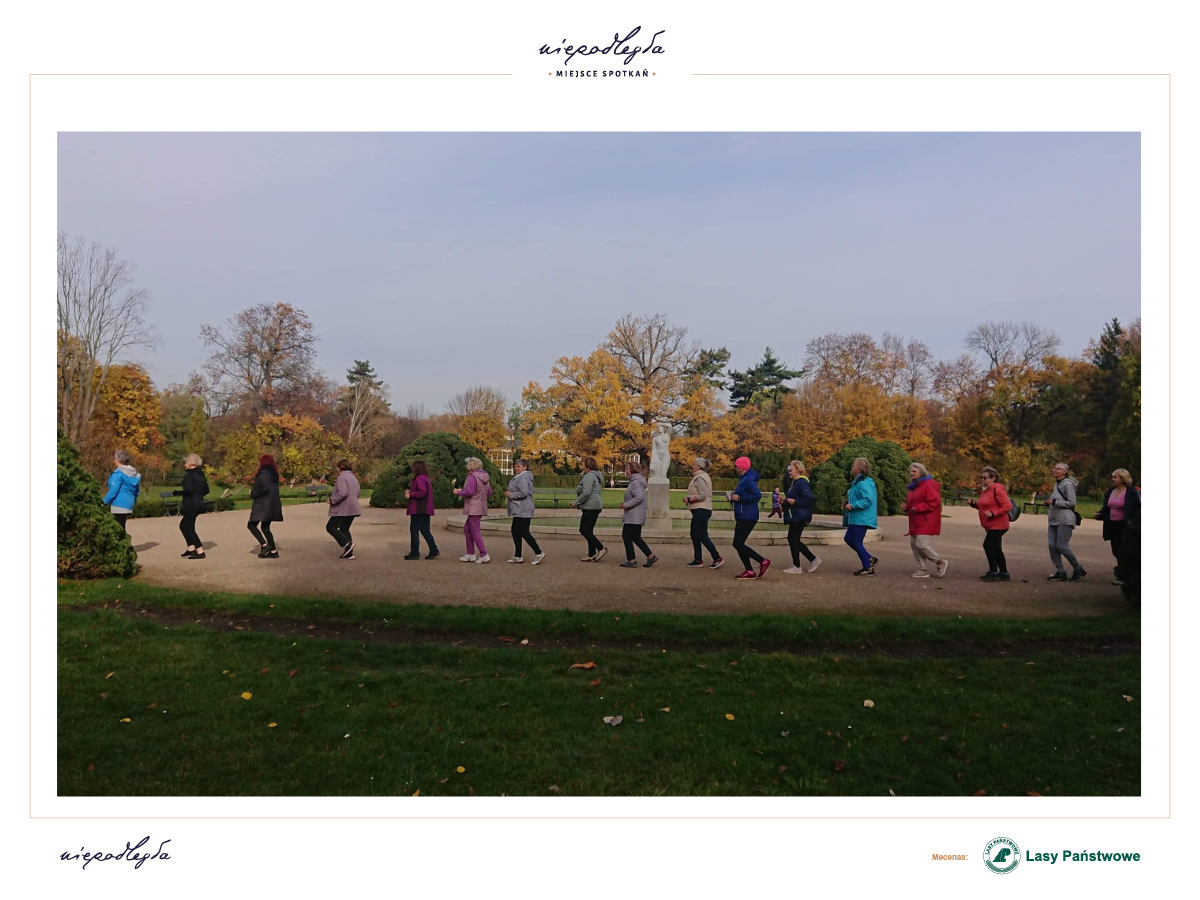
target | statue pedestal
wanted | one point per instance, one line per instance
(658, 505)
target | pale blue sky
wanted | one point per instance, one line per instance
(452, 259)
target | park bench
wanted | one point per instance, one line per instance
(1037, 503)
(554, 494)
(171, 502)
(953, 498)
(318, 492)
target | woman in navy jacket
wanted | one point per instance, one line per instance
(797, 513)
(745, 499)
(1121, 503)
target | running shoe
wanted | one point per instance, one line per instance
(813, 566)
(717, 563)
(942, 566)
(746, 574)
(537, 558)
(763, 566)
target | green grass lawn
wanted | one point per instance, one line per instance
(329, 716)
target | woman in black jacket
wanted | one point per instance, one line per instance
(1122, 502)
(195, 488)
(266, 507)
(798, 513)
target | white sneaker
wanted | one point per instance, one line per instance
(483, 559)
(813, 565)
(470, 557)
(942, 566)
(920, 573)
(516, 559)
(538, 558)
(793, 570)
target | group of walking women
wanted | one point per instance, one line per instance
(923, 507)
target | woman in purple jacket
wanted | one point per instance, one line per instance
(420, 510)
(343, 508)
(475, 493)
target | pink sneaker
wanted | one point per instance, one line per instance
(763, 566)
(746, 574)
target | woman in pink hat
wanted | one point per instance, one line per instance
(745, 497)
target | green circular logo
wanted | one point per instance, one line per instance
(1001, 855)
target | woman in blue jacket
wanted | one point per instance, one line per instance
(123, 486)
(860, 516)
(797, 513)
(745, 499)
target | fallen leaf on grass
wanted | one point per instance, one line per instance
(1128, 699)
(91, 767)
(868, 703)
(417, 792)
(152, 706)
(729, 716)
(979, 793)
(272, 724)
(104, 694)
(507, 640)
(586, 665)
(504, 704)
(784, 733)
(903, 738)
(701, 666)
(293, 673)
(640, 719)
(734, 663)
(759, 752)
(1032, 794)
(393, 705)
(665, 709)
(443, 781)
(460, 770)
(111, 674)
(593, 683)
(553, 787)
(246, 695)
(839, 765)
(524, 642)
(312, 626)
(614, 721)
(709, 691)
(1119, 730)
(127, 720)
(1003, 725)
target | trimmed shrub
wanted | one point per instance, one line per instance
(446, 455)
(90, 542)
(153, 509)
(771, 464)
(889, 468)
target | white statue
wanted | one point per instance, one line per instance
(660, 457)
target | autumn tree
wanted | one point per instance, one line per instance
(127, 417)
(101, 319)
(1012, 343)
(364, 400)
(262, 354)
(708, 368)
(653, 359)
(843, 358)
(303, 450)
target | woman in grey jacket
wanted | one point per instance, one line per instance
(589, 499)
(520, 507)
(1061, 520)
(633, 517)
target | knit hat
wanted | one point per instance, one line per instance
(742, 462)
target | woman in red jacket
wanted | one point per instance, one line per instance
(993, 506)
(924, 508)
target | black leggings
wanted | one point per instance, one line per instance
(418, 524)
(520, 529)
(121, 517)
(741, 531)
(632, 536)
(995, 552)
(1117, 530)
(264, 536)
(700, 536)
(339, 527)
(587, 527)
(796, 542)
(187, 527)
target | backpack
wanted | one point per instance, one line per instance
(1014, 513)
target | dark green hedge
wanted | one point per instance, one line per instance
(446, 455)
(889, 468)
(153, 509)
(90, 542)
